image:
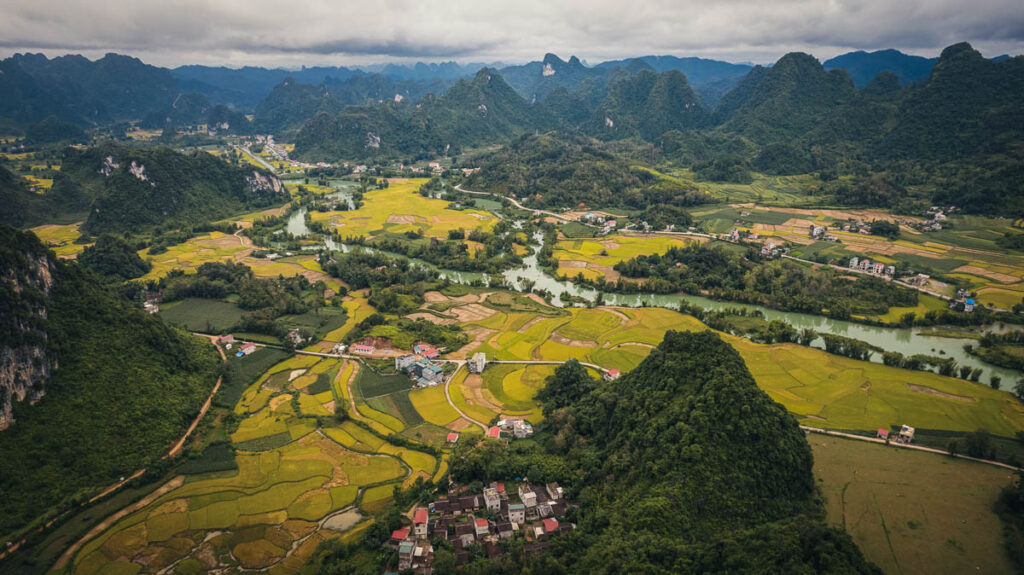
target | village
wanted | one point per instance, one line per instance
(486, 523)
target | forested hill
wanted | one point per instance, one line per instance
(134, 189)
(681, 466)
(552, 170)
(477, 111)
(115, 385)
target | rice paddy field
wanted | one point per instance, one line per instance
(913, 512)
(821, 389)
(964, 250)
(399, 208)
(292, 475)
(595, 257)
(61, 238)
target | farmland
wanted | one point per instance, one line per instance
(399, 209)
(913, 512)
(289, 477)
(61, 238)
(594, 258)
(964, 250)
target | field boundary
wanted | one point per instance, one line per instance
(878, 440)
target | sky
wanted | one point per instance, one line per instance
(292, 33)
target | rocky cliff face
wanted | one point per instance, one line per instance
(26, 277)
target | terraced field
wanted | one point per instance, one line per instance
(399, 208)
(292, 476)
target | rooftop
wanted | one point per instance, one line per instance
(420, 516)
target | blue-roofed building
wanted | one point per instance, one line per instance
(969, 304)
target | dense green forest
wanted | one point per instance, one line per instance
(117, 188)
(113, 259)
(681, 466)
(124, 387)
(554, 171)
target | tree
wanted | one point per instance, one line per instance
(1018, 389)
(569, 383)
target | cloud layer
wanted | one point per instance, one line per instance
(292, 32)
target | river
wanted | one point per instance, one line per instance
(907, 341)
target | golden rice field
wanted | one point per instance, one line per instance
(61, 238)
(399, 209)
(594, 257)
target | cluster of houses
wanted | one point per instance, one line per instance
(244, 348)
(420, 366)
(877, 268)
(821, 234)
(608, 225)
(517, 428)
(486, 519)
(736, 235)
(963, 300)
(936, 215)
(771, 250)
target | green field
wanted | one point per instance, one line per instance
(912, 512)
(202, 315)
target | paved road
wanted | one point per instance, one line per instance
(516, 204)
(256, 158)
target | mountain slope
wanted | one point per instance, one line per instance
(134, 189)
(112, 385)
(864, 66)
(786, 100)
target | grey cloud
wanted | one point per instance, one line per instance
(274, 32)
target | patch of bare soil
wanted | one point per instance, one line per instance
(434, 297)
(531, 323)
(459, 424)
(401, 219)
(475, 387)
(610, 274)
(574, 264)
(472, 312)
(999, 277)
(432, 318)
(295, 373)
(928, 390)
(634, 343)
(480, 335)
(557, 338)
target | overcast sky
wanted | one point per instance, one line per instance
(291, 33)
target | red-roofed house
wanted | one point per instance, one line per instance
(482, 527)
(362, 349)
(420, 521)
(247, 348)
(550, 525)
(453, 437)
(611, 374)
(226, 340)
(399, 535)
(501, 488)
(494, 432)
(883, 433)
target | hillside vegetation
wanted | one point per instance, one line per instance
(124, 385)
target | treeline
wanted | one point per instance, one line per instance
(1005, 349)
(722, 272)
